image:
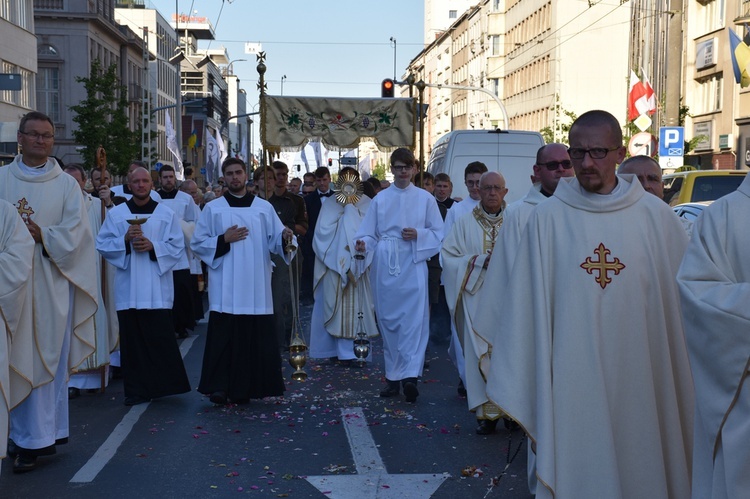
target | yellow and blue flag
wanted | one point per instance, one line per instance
(193, 139)
(740, 58)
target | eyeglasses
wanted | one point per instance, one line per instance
(472, 183)
(594, 152)
(490, 188)
(553, 165)
(401, 167)
(35, 135)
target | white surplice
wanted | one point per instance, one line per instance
(16, 250)
(341, 282)
(465, 250)
(399, 273)
(714, 281)
(239, 282)
(140, 282)
(593, 301)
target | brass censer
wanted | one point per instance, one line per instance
(297, 347)
(361, 341)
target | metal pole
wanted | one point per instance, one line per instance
(282, 85)
(178, 83)
(477, 89)
(394, 57)
(421, 86)
(674, 63)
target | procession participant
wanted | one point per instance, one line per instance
(713, 281)
(552, 164)
(101, 189)
(648, 172)
(196, 268)
(443, 189)
(466, 253)
(341, 282)
(145, 254)
(123, 191)
(16, 250)
(235, 236)
(600, 242)
(313, 203)
(62, 293)
(402, 229)
(89, 375)
(183, 314)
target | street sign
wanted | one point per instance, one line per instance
(671, 146)
(348, 161)
(158, 165)
(203, 171)
(10, 81)
(642, 144)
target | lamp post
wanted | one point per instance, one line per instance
(282, 84)
(393, 40)
(229, 69)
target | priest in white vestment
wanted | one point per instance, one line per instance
(235, 236)
(552, 164)
(472, 173)
(144, 254)
(16, 250)
(341, 283)
(714, 281)
(466, 253)
(63, 290)
(593, 303)
(94, 372)
(402, 229)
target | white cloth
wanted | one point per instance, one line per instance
(16, 250)
(458, 210)
(714, 281)
(142, 283)
(105, 319)
(399, 273)
(239, 282)
(118, 190)
(183, 206)
(341, 283)
(465, 251)
(617, 421)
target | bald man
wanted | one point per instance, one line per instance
(647, 171)
(466, 253)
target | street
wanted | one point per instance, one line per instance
(330, 436)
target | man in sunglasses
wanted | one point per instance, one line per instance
(592, 303)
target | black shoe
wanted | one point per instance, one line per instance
(486, 427)
(12, 448)
(410, 391)
(24, 464)
(61, 441)
(461, 388)
(218, 398)
(391, 390)
(73, 393)
(135, 400)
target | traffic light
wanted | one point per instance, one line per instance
(330, 162)
(387, 88)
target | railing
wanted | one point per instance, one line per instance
(49, 4)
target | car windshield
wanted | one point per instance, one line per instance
(710, 188)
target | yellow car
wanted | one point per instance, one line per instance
(700, 185)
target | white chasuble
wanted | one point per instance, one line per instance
(465, 250)
(399, 272)
(141, 282)
(592, 303)
(16, 250)
(714, 281)
(64, 261)
(341, 282)
(239, 281)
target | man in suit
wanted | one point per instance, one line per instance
(313, 202)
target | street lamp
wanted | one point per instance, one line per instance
(282, 84)
(394, 57)
(229, 69)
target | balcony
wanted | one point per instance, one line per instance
(49, 4)
(130, 4)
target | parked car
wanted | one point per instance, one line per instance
(700, 185)
(690, 211)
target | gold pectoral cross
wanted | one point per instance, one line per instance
(602, 266)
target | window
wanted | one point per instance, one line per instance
(495, 86)
(710, 15)
(48, 92)
(495, 45)
(452, 14)
(495, 6)
(707, 95)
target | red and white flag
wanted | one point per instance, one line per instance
(641, 97)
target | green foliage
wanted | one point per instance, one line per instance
(102, 119)
(379, 170)
(563, 121)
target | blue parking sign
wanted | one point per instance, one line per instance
(672, 141)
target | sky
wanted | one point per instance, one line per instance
(338, 48)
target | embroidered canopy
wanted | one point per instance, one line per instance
(288, 123)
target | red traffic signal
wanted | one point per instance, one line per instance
(387, 88)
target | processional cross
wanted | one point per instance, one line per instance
(602, 266)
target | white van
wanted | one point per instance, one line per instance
(511, 152)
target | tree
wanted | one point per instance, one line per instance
(102, 119)
(563, 121)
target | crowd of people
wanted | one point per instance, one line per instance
(571, 313)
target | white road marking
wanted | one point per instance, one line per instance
(372, 480)
(107, 450)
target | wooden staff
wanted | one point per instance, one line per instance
(101, 165)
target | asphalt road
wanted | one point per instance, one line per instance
(332, 431)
